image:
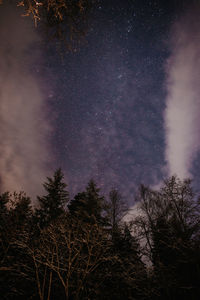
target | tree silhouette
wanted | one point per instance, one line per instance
(65, 20)
(53, 204)
(116, 209)
(75, 255)
(169, 223)
(88, 205)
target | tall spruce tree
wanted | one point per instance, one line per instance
(88, 205)
(53, 204)
(124, 273)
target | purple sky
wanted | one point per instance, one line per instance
(102, 112)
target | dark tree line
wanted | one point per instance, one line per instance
(83, 249)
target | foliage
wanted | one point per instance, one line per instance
(54, 202)
(169, 225)
(65, 20)
(87, 251)
(88, 205)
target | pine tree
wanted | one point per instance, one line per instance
(53, 204)
(4, 199)
(88, 205)
(124, 274)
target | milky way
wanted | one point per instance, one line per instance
(111, 99)
(107, 103)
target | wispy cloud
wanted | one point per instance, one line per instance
(23, 147)
(182, 122)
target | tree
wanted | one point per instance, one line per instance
(66, 20)
(169, 223)
(17, 224)
(68, 255)
(116, 209)
(53, 204)
(88, 205)
(15, 216)
(124, 273)
(4, 199)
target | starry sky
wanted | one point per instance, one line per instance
(103, 111)
(109, 98)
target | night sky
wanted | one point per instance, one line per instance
(105, 103)
(109, 98)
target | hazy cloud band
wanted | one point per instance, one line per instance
(182, 122)
(23, 146)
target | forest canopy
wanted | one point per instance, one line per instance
(84, 247)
